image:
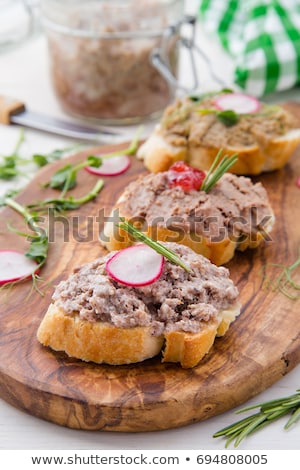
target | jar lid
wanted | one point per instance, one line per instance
(111, 18)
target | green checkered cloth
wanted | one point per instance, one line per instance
(263, 37)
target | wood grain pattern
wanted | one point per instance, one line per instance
(261, 346)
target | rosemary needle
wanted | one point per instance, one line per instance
(268, 412)
(284, 282)
(218, 168)
(158, 247)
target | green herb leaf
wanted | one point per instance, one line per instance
(61, 204)
(228, 117)
(44, 159)
(157, 246)
(218, 168)
(8, 168)
(94, 161)
(8, 195)
(38, 249)
(268, 412)
(65, 177)
(7, 173)
(10, 165)
(59, 178)
(225, 90)
(197, 98)
(40, 160)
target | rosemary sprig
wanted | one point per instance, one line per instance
(157, 246)
(219, 166)
(284, 282)
(268, 413)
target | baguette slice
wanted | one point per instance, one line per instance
(113, 238)
(188, 348)
(219, 251)
(99, 342)
(103, 343)
(159, 154)
(194, 129)
(94, 318)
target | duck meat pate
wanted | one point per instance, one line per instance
(177, 301)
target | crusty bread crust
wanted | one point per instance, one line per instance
(98, 342)
(102, 342)
(159, 155)
(218, 252)
(189, 348)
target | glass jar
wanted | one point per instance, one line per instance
(100, 56)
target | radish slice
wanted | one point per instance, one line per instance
(238, 102)
(15, 266)
(111, 166)
(137, 265)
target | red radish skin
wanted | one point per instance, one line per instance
(111, 166)
(15, 266)
(238, 102)
(137, 265)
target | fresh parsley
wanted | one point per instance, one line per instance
(38, 249)
(41, 159)
(65, 177)
(227, 117)
(9, 164)
(63, 203)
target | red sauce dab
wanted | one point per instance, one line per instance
(298, 182)
(183, 175)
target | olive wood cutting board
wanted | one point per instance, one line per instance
(261, 346)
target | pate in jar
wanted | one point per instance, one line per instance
(100, 56)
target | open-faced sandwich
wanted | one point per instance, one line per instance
(134, 304)
(193, 129)
(212, 214)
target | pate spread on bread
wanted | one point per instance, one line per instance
(234, 214)
(92, 317)
(192, 130)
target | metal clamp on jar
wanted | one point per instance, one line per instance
(159, 56)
